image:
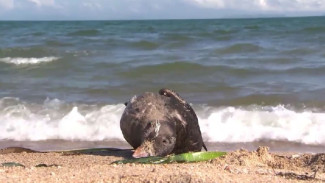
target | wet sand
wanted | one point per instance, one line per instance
(56, 145)
(237, 166)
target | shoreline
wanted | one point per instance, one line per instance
(241, 165)
(57, 145)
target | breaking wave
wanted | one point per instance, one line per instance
(56, 119)
(26, 61)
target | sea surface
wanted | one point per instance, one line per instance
(250, 81)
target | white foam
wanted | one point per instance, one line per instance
(55, 119)
(58, 120)
(25, 61)
(231, 124)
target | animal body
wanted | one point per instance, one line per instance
(158, 124)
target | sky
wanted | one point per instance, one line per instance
(155, 9)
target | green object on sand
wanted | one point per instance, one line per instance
(180, 158)
(12, 164)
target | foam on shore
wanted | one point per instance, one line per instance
(56, 119)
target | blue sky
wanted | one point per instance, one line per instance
(154, 9)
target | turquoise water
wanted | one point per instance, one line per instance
(251, 79)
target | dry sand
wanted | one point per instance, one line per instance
(236, 166)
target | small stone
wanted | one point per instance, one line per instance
(227, 168)
(261, 172)
(295, 156)
(245, 171)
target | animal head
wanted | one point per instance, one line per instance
(159, 139)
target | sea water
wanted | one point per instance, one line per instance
(249, 80)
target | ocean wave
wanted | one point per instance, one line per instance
(237, 124)
(176, 37)
(24, 61)
(146, 45)
(56, 119)
(182, 68)
(299, 51)
(314, 29)
(240, 48)
(90, 32)
(57, 43)
(27, 52)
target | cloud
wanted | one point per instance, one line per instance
(92, 5)
(40, 3)
(262, 5)
(7, 4)
(155, 9)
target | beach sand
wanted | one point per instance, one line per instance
(237, 166)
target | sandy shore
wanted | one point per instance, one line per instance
(236, 166)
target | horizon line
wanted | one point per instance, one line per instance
(164, 19)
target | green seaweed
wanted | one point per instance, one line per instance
(180, 158)
(12, 164)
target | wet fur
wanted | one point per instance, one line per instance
(178, 123)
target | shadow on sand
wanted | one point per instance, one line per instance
(124, 153)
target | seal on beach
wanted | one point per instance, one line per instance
(158, 124)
